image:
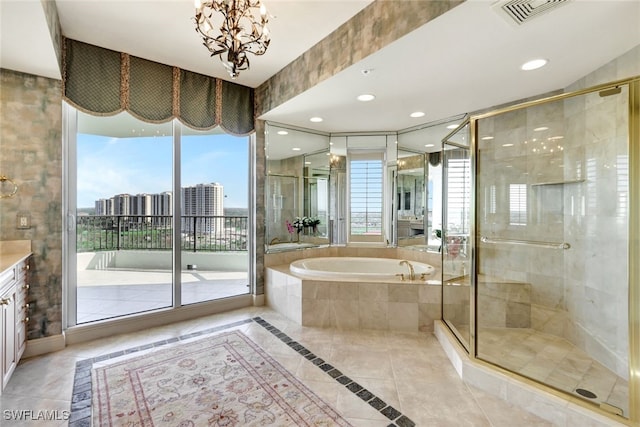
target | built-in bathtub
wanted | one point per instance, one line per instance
(355, 293)
(361, 268)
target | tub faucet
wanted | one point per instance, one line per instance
(412, 274)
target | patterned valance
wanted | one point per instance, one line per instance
(104, 82)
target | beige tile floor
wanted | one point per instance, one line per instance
(553, 361)
(407, 370)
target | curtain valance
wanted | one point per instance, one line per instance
(104, 82)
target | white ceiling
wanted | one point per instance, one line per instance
(465, 60)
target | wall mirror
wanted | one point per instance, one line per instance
(297, 188)
(379, 189)
(410, 200)
(418, 199)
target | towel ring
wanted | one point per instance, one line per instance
(13, 192)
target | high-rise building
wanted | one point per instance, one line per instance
(104, 207)
(199, 202)
(121, 204)
(162, 204)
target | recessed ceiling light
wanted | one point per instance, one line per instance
(453, 126)
(315, 119)
(417, 114)
(534, 64)
(365, 97)
(486, 138)
(428, 145)
(540, 129)
(296, 149)
(283, 132)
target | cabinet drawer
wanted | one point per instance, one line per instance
(21, 293)
(21, 269)
(22, 309)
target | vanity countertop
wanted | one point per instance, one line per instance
(12, 252)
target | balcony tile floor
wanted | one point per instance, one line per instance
(104, 294)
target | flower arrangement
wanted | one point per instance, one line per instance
(289, 227)
(300, 223)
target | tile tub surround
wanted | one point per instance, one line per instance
(399, 306)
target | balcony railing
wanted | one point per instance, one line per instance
(155, 232)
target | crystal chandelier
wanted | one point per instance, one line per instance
(231, 29)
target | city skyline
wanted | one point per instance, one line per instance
(110, 166)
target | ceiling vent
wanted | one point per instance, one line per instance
(522, 11)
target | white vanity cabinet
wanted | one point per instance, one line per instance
(14, 311)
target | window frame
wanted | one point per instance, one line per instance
(378, 155)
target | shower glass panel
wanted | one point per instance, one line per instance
(552, 258)
(455, 234)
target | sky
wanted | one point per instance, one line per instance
(108, 166)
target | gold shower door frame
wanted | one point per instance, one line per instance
(633, 236)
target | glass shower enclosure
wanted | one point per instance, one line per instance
(539, 243)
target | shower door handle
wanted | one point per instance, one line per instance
(549, 245)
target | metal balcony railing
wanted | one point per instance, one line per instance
(155, 232)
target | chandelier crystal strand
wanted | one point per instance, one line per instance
(243, 29)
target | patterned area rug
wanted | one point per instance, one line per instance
(224, 380)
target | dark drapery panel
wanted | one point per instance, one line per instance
(104, 82)
(91, 78)
(150, 90)
(198, 100)
(237, 108)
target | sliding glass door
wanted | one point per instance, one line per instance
(157, 216)
(214, 222)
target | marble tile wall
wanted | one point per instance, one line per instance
(580, 293)
(503, 304)
(31, 155)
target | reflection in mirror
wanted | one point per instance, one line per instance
(338, 190)
(420, 223)
(297, 190)
(410, 198)
(316, 197)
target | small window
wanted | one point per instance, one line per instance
(366, 196)
(518, 204)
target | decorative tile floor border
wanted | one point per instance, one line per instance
(398, 420)
(81, 395)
